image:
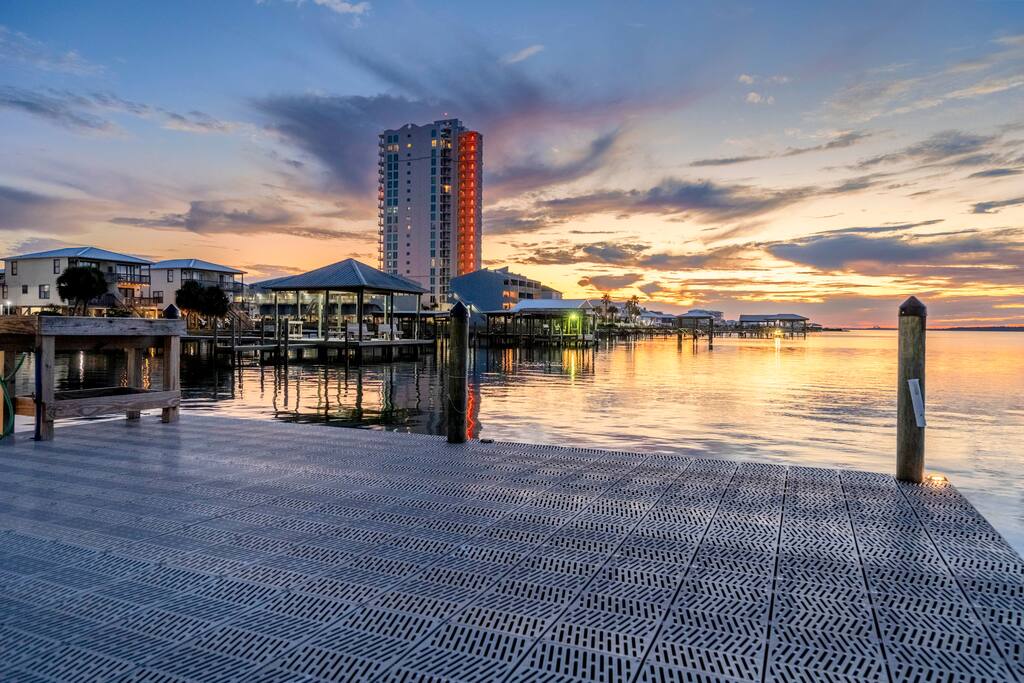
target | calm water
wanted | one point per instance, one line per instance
(828, 400)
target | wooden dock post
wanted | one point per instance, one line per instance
(133, 360)
(172, 374)
(9, 364)
(458, 357)
(44, 388)
(910, 418)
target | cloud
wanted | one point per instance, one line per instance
(914, 254)
(535, 172)
(758, 98)
(840, 141)
(750, 79)
(78, 112)
(994, 206)
(996, 173)
(57, 110)
(519, 114)
(18, 47)
(946, 147)
(746, 79)
(21, 209)
(522, 55)
(606, 283)
(213, 217)
(356, 9)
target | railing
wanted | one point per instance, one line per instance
(128, 278)
(228, 286)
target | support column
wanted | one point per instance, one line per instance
(45, 409)
(8, 360)
(359, 313)
(171, 374)
(133, 358)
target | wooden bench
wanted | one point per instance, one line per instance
(45, 335)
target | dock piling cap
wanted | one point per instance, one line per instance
(913, 307)
(459, 311)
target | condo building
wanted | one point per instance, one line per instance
(429, 204)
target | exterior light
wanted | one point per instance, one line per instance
(937, 478)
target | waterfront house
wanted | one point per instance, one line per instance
(168, 277)
(31, 280)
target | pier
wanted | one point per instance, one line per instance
(241, 550)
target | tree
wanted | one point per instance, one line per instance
(633, 307)
(78, 285)
(213, 303)
(606, 305)
(189, 298)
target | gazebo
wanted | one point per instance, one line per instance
(334, 292)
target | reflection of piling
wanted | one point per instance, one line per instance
(910, 421)
(458, 363)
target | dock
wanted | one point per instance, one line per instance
(220, 549)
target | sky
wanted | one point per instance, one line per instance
(828, 159)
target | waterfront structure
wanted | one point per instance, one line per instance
(31, 279)
(168, 277)
(491, 290)
(768, 324)
(335, 300)
(655, 319)
(544, 321)
(717, 316)
(429, 204)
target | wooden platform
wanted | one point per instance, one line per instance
(218, 549)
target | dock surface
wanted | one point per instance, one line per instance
(218, 549)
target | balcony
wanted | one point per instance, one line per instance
(128, 278)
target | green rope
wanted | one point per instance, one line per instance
(8, 427)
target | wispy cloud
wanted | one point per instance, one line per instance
(995, 206)
(90, 113)
(356, 9)
(522, 55)
(840, 141)
(758, 98)
(18, 47)
(211, 217)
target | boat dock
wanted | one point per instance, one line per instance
(219, 549)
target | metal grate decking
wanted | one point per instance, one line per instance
(217, 549)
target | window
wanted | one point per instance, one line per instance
(44, 291)
(170, 275)
(14, 269)
(56, 266)
(24, 289)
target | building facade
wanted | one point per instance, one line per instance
(31, 279)
(168, 276)
(430, 204)
(487, 290)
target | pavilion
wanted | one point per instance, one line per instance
(344, 293)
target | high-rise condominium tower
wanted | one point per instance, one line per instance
(429, 203)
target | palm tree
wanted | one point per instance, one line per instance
(606, 305)
(633, 308)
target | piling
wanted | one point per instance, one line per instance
(910, 377)
(458, 365)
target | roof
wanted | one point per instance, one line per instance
(92, 253)
(347, 275)
(196, 264)
(697, 315)
(549, 305)
(769, 317)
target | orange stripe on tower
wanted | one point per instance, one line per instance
(469, 231)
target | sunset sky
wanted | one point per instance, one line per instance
(820, 158)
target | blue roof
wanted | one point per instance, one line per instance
(195, 264)
(347, 275)
(90, 253)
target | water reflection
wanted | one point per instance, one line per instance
(828, 400)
